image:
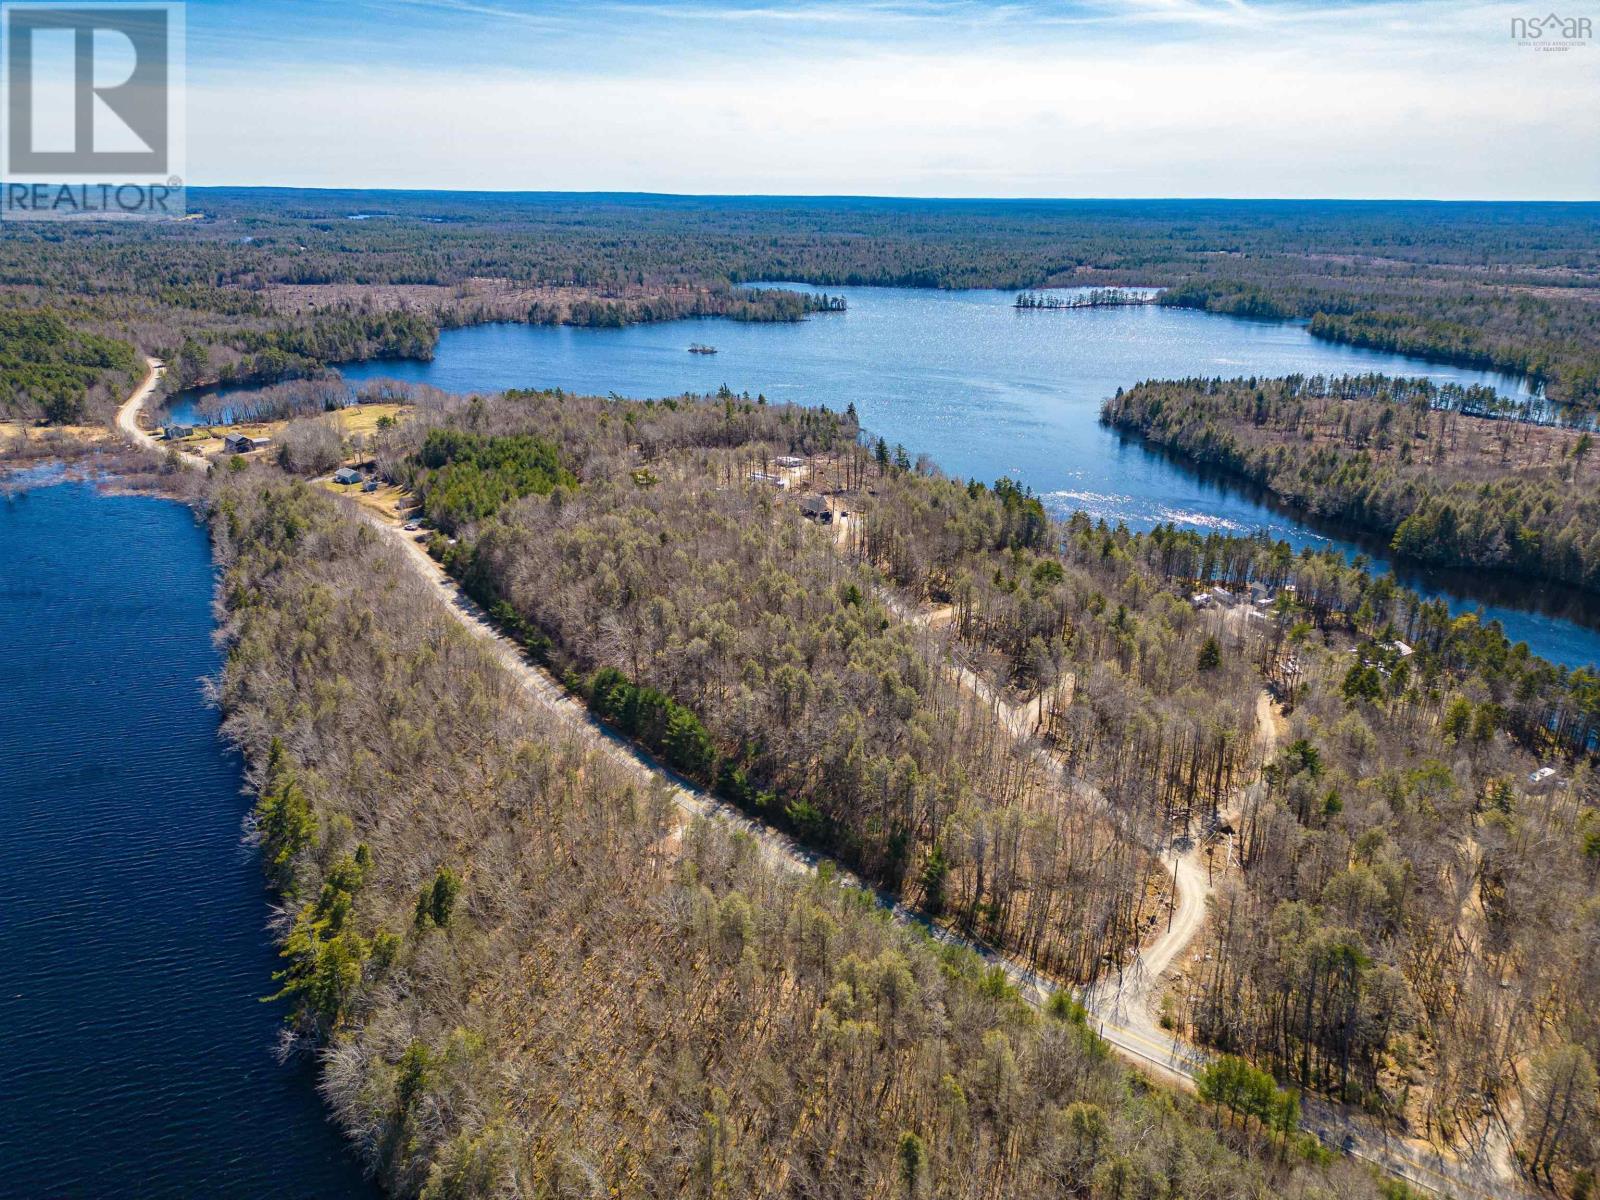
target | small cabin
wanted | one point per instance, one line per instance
(777, 481)
(817, 508)
(790, 462)
(1542, 776)
(176, 433)
(347, 475)
(242, 443)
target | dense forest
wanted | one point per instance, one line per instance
(1414, 462)
(1415, 923)
(51, 370)
(824, 716)
(1550, 334)
(1404, 880)
(821, 714)
(270, 284)
(528, 978)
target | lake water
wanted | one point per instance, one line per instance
(133, 954)
(987, 390)
(984, 389)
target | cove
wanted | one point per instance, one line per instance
(988, 390)
(133, 950)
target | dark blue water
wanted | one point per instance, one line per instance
(138, 1058)
(964, 377)
(986, 391)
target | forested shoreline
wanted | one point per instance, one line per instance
(1406, 459)
(270, 284)
(1403, 804)
(528, 978)
(525, 978)
(1549, 335)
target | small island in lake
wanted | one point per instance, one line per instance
(701, 348)
(1094, 298)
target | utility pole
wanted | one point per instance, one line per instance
(1172, 909)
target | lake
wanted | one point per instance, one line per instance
(988, 390)
(133, 951)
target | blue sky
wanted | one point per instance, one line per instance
(897, 97)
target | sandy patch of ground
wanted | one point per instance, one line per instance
(364, 418)
(388, 503)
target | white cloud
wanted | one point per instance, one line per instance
(1390, 101)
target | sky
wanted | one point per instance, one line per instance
(1031, 98)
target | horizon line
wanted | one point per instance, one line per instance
(871, 196)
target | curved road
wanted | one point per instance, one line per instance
(1124, 1006)
(1132, 998)
(128, 415)
(1121, 1017)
